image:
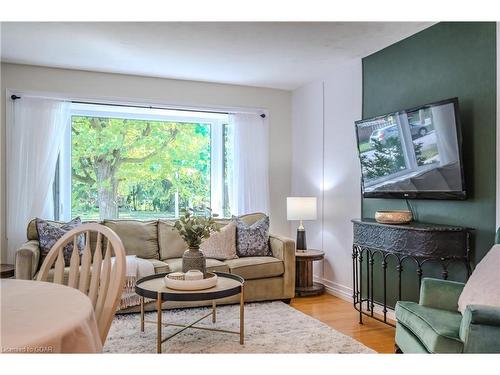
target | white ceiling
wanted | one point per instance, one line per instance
(278, 55)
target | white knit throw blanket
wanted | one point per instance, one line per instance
(136, 269)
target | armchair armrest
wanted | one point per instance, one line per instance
(481, 314)
(440, 294)
(284, 249)
(27, 259)
(480, 329)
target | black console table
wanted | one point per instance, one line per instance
(420, 243)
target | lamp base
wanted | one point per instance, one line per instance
(301, 240)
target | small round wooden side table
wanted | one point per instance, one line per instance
(304, 285)
(7, 271)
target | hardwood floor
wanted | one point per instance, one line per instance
(341, 316)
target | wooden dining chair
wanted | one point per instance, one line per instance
(95, 273)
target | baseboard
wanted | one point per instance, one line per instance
(345, 293)
(336, 289)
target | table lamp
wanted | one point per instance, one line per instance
(301, 208)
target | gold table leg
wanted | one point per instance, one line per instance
(142, 314)
(158, 323)
(242, 317)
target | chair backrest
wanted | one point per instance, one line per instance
(95, 273)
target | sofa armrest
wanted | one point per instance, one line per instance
(480, 329)
(27, 259)
(440, 294)
(284, 249)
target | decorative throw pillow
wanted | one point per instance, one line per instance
(482, 288)
(49, 233)
(252, 240)
(221, 245)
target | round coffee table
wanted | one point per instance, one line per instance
(304, 285)
(153, 287)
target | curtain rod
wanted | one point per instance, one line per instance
(15, 97)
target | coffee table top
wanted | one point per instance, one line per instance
(227, 285)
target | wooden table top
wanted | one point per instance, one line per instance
(7, 270)
(310, 253)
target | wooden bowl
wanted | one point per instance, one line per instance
(393, 217)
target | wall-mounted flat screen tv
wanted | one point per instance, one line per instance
(413, 153)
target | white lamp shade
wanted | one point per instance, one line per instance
(301, 208)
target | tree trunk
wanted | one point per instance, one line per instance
(107, 187)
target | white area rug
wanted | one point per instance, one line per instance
(270, 327)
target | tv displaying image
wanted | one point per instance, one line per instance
(414, 153)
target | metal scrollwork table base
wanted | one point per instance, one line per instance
(417, 243)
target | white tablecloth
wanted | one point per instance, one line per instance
(41, 317)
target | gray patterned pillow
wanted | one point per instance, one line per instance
(49, 233)
(252, 240)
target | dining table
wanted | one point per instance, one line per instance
(43, 317)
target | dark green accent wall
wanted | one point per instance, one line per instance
(449, 59)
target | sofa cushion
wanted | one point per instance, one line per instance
(221, 245)
(173, 246)
(32, 232)
(175, 265)
(252, 239)
(49, 233)
(250, 219)
(158, 265)
(139, 237)
(438, 330)
(171, 243)
(482, 288)
(256, 267)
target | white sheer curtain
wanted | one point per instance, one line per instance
(249, 190)
(34, 136)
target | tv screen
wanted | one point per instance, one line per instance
(413, 153)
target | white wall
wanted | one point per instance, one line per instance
(104, 86)
(324, 154)
(307, 154)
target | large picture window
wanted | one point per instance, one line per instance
(124, 162)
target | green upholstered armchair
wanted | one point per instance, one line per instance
(434, 325)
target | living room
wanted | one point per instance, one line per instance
(250, 187)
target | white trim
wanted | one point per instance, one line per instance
(65, 178)
(113, 111)
(335, 289)
(216, 167)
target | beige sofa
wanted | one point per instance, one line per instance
(266, 278)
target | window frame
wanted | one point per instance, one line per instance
(216, 121)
